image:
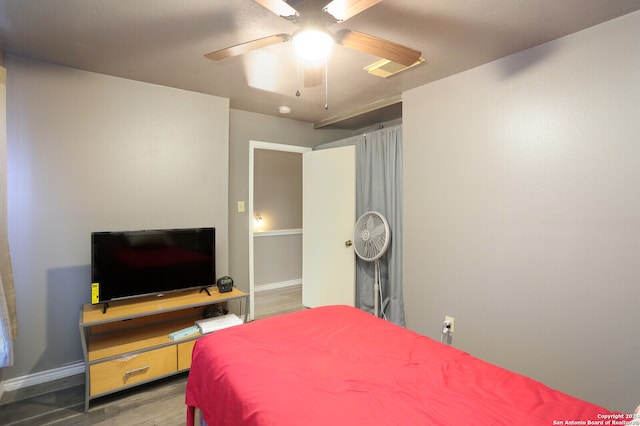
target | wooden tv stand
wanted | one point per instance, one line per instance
(129, 344)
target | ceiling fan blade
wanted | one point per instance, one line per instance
(314, 75)
(345, 9)
(378, 47)
(243, 48)
(279, 7)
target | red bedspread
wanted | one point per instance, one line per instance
(338, 365)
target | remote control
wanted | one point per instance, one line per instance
(185, 332)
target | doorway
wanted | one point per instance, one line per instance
(279, 231)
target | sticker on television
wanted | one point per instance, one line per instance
(95, 293)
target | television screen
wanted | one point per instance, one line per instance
(137, 263)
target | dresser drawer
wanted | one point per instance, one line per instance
(184, 355)
(128, 370)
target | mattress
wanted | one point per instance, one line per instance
(338, 365)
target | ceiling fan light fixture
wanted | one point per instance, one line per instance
(312, 45)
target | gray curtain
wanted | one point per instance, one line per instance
(379, 188)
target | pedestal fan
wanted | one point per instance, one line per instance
(371, 237)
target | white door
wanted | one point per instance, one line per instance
(328, 216)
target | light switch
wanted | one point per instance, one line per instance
(240, 206)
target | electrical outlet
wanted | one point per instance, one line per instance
(451, 322)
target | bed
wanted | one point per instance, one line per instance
(338, 365)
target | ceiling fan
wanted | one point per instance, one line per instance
(313, 18)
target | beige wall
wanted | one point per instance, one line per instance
(89, 152)
(277, 189)
(522, 212)
(277, 259)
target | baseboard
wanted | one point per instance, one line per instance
(281, 284)
(43, 377)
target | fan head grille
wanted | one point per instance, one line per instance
(371, 236)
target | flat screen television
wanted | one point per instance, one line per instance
(129, 264)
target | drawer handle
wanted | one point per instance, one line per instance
(135, 371)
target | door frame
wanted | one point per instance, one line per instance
(253, 145)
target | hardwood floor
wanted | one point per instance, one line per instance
(61, 402)
(277, 302)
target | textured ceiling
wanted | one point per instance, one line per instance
(163, 42)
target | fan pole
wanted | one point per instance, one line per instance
(376, 287)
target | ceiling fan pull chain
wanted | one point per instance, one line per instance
(326, 84)
(298, 73)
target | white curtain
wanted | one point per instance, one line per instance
(379, 188)
(8, 322)
(6, 352)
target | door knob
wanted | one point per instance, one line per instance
(348, 243)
